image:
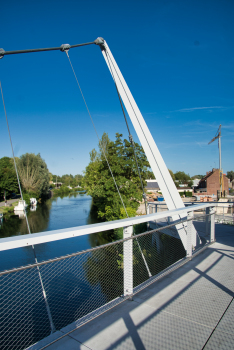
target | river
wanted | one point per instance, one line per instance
(56, 213)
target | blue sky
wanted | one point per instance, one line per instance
(177, 58)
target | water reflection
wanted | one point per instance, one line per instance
(56, 213)
(10, 223)
(38, 220)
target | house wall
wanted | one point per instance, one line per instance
(212, 183)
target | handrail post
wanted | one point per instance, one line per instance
(128, 261)
(189, 233)
(207, 221)
(210, 223)
(148, 212)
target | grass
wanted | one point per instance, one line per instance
(7, 209)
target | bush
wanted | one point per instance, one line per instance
(188, 194)
(26, 197)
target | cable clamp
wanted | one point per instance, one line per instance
(130, 138)
(100, 42)
(65, 47)
(2, 52)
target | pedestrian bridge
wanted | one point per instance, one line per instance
(146, 291)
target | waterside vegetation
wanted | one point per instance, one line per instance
(99, 183)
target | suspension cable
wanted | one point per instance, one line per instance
(53, 329)
(130, 136)
(148, 270)
(133, 147)
(96, 133)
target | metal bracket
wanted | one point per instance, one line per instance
(65, 47)
(2, 52)
(100, 41)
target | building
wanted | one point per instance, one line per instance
(152, 186)
(209, 185)
(195, 182)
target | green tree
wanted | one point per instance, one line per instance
(230, 175)
(197, 177)
(150, 175)
(34, 174)
(183, 178)
(99, 182)
(8, 179)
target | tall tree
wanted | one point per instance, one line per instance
(99, 182)
(230, 175)
(34, 174)
(8, 179)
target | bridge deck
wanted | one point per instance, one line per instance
(192, 308)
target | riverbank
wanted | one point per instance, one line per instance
(9, 207)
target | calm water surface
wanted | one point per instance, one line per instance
(56, 213)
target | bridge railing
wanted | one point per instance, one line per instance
(224, 211)
(70, 290)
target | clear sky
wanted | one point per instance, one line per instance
(177, 58)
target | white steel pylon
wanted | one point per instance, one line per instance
(158, 166)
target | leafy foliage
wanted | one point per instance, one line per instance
(100, 185)
(230, 175)
(68, 180)
(197, 177)
(34, 175)
(183, 178)
(8, 179)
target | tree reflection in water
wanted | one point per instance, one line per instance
(105, 266)
(10, 226)
(102, 268)
(38, 220)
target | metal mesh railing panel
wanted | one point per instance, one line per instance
(23, 316)
(154, 252)
(79, 285)
(225, 214)
(201, 223)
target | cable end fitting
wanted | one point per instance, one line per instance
(100, 41)
(65, 47)
(2, 52)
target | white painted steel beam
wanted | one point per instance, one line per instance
(128, 261)
(166, 184)
(56, 235)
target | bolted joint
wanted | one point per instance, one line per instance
(65, 47)
(131, 139)
(100, 41)
(2, 52)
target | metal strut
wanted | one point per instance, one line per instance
(155, 159)
(132, 143)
